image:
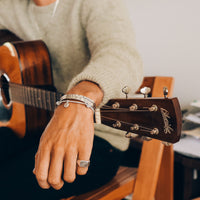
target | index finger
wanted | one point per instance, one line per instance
(42, 167)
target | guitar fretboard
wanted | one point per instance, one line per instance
(36, 97)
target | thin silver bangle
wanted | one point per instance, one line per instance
(79, 99)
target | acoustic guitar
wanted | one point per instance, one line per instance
(29, 96)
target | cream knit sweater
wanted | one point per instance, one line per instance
(88, 40)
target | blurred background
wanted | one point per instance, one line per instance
(167, 37)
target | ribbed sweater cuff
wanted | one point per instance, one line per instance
(105, 81)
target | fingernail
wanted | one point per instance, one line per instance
(34, 170)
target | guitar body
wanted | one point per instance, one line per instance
(24, 63)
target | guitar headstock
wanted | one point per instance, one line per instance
(158, 118)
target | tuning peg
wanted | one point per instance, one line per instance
(117, 124)
(130, 135)
(146, 138)
(165, 92)
(126, 91)
(167, 143)
(116, 105)
(145, 91)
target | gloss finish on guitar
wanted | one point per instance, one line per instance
(28, 64)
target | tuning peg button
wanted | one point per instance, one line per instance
(165, 92)
(146, 138)
(126, 91)
(130, 135)
(167, 143)
(145, 91)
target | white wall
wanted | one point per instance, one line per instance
(168, 39)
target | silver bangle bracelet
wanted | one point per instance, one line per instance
(79, 99)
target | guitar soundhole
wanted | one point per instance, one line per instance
(5, 103)
(5, 90)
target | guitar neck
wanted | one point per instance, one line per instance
(158, 118)
(36, 97)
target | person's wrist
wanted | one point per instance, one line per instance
(77, 99)
(88, 89)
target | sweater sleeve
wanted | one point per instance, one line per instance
(114, 61)
(1, 24)
(1, 14)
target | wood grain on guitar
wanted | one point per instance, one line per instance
(27, 90)
(157, 118)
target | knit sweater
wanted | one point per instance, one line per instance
(87, 40)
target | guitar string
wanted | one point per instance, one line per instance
(107, 108)
(127, 123)
(29, 93)
(124, 110)
(20, 86)
(142, 128)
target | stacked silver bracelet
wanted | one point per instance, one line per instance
(79, 99)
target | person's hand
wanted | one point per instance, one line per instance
(67, 138)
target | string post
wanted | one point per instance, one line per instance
(133, 107)
(117, 124)
(135, 127)
(116, 105)
(155, 131)
(153, 108)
